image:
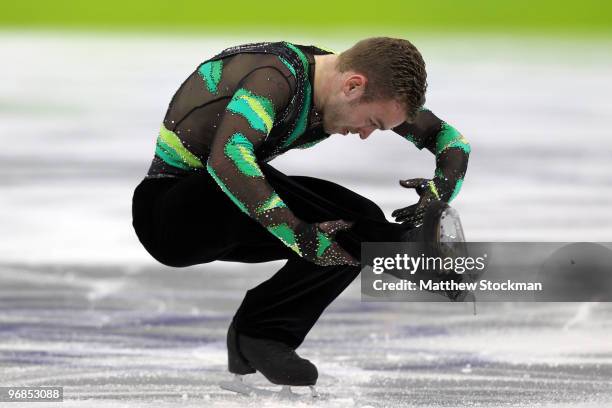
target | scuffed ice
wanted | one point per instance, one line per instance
(156, 338)
(83, 306)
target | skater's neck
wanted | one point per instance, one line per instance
(324, 77)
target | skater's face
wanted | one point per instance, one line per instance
(345, 112)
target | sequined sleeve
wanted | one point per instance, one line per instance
(248, 118)
(451, 149)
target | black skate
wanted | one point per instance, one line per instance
(236, 363)
(278, 362)
(441, 234)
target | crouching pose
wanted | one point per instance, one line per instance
(211, 194)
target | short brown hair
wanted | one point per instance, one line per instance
(395, 70)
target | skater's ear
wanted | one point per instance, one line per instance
(354, 85)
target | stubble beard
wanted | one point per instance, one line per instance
(330, 121)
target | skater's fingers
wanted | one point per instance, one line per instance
(332, 227)
(404, 212)
(401, 212)
(414, 220)
(408, 220)
(400, 216)
(343, 225)
(401, 219)
(413, 183)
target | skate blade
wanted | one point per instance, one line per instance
(450, 228)
(242, 388)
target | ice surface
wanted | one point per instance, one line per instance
(84, 307)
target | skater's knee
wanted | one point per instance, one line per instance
(167, 258)
(183, 255)
(171, 261)
(170, 255)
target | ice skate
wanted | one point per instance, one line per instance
(236, 363)
(278, 362)
(441, 235)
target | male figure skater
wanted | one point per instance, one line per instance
(210, 193)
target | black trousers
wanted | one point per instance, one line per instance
(189, 221)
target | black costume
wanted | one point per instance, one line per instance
(210, 193)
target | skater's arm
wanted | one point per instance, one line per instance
(249, 116)
(451, 149)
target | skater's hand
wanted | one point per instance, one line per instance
(331, 228)
(412, 216)
(335, 254)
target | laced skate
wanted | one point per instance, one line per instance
(278, 362)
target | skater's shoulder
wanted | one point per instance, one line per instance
(269, 64)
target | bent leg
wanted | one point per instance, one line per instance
(286, 306)
(190, 221)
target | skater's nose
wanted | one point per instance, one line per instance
(365, 132)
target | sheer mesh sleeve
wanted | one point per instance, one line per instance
(248, 118)
(451, 149)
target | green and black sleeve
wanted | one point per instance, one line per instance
(450, 148)
(252, 111)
